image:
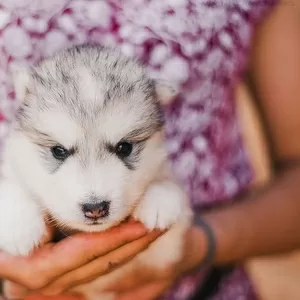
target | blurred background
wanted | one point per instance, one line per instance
(31, 30)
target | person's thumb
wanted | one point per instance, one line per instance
(59, 297)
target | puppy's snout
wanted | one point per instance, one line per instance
(96, 210)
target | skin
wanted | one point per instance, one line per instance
(246, 229)
(151, 282)
(95, 253)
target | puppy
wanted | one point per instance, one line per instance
(86, 147)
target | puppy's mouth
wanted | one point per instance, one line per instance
(103, 222)
(96, 221)
(61, 234)
(93, 223)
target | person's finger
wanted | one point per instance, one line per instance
(140, 276)
(149, 291)
(100, 266)
(60, 297)
(53, 260)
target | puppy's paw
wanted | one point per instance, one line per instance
(21, 222)
(23, 238)
(162, 206)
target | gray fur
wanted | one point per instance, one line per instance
(57, 85)
(120, 76)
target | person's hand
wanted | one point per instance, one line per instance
(54, 268)
(149, 284)
(145, 283)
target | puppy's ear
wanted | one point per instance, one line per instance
(22, 80)
(165, 91)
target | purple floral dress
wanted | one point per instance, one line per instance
(200, 45)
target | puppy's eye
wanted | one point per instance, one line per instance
(124, 149)
(60, 152)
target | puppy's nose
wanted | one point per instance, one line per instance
(96, 210)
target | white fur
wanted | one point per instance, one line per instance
(166, 91)
(162, 205)
(28, 188)
(21, 221)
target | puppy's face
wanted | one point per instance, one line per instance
(88, 139)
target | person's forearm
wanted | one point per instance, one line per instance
(266, 223)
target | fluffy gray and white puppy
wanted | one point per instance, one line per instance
(87, 148)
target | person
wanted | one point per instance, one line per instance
(204, 47)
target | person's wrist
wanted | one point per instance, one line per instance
(196, 247)
(209, 243)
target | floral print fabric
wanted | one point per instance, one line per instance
(200, 46)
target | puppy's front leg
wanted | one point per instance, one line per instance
(21, 221)
(164, 206)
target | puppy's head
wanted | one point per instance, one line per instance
(88, 138)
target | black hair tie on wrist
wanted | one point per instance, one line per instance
(211, 241)
(210, 284)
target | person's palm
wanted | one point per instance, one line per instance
(53, 268)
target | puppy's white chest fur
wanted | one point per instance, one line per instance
(90, 158)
